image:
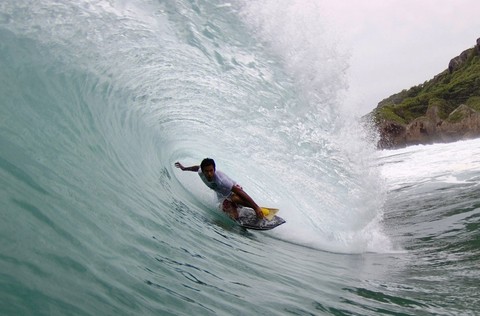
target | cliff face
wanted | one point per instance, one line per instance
(462, 123)
(443, 109)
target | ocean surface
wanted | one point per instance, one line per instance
(99, 99)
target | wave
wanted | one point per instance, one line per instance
(137, 89)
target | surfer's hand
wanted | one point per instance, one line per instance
(192, 168)
(259, 213)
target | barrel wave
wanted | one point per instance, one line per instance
(99, 99)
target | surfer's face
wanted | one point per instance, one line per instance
(209, 172)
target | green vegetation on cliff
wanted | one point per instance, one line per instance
(460, 84)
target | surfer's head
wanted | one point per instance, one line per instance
(207, 162)
(208, 168)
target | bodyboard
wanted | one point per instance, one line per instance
(248, 219)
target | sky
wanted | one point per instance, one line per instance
(397, 44)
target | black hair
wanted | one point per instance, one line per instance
(207, 162)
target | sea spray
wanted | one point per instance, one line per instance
(330, 157)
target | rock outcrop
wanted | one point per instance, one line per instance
(461, 124)
(457, 62)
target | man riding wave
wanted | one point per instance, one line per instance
(228, 191)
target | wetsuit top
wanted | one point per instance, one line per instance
(221, 183)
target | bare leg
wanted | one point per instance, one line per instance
(242, 198)
(238, 200)
(230, 208)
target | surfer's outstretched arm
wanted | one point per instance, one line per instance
(183, 168)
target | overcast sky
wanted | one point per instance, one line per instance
(396, 44)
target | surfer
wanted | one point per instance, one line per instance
(228, 192)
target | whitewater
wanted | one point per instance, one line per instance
(100, 98)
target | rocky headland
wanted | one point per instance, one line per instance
(443, 109)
